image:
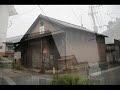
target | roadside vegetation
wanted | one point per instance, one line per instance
(69, 79)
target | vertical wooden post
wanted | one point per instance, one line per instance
(87, 70)
(42, 68)
(65, 51)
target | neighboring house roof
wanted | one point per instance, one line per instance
(58, 22)
(12, 10)
(112, 33)
(14, 39)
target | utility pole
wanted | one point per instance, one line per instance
(95, 17)
(95, 28)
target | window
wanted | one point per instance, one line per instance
(10, 48)
(41, 28)
(1, 47)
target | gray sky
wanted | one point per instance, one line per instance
(28, 13)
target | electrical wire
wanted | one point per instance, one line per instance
(76, 16)
(81, 17)
(54, 26)
(96, 17)
(10, 24)
(42, 10)
(99, 15)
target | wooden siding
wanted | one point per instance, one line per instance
(48, 26)
(81, 44)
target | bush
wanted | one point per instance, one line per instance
(71, 80)
(6, 65)
(18, 67)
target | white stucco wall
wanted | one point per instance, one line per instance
(4, 14)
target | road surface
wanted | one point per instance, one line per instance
(108, 77)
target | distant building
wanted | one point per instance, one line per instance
(51, 41)
(5, 12)
(113, 41)
(9, 45)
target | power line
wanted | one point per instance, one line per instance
(41, 9)
(93, 18)
(10, 24)
(90, 18)
(114, 13)
(56, 29)
(76, 16)
(61, 36)
(81, 17)
(100, 18)
(97, 18)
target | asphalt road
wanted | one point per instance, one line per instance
(108, 77)
(23, 78)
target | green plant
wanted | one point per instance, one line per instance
(71, 80)
(18, 67)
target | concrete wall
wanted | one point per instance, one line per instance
(4, 14)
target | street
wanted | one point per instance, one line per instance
(22, 78)
(108, 77)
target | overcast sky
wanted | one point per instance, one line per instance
(28, 13)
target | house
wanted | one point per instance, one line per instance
(9, 45)
(113, 52)
(5, 12)
(113, 41)
(48, 41)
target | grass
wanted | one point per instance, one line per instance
(18, 67)
(68, 79)
(11, 65)
(5, 65)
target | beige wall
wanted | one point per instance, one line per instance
(84, 46)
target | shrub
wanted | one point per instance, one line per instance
(18, 67)
(68, 79)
